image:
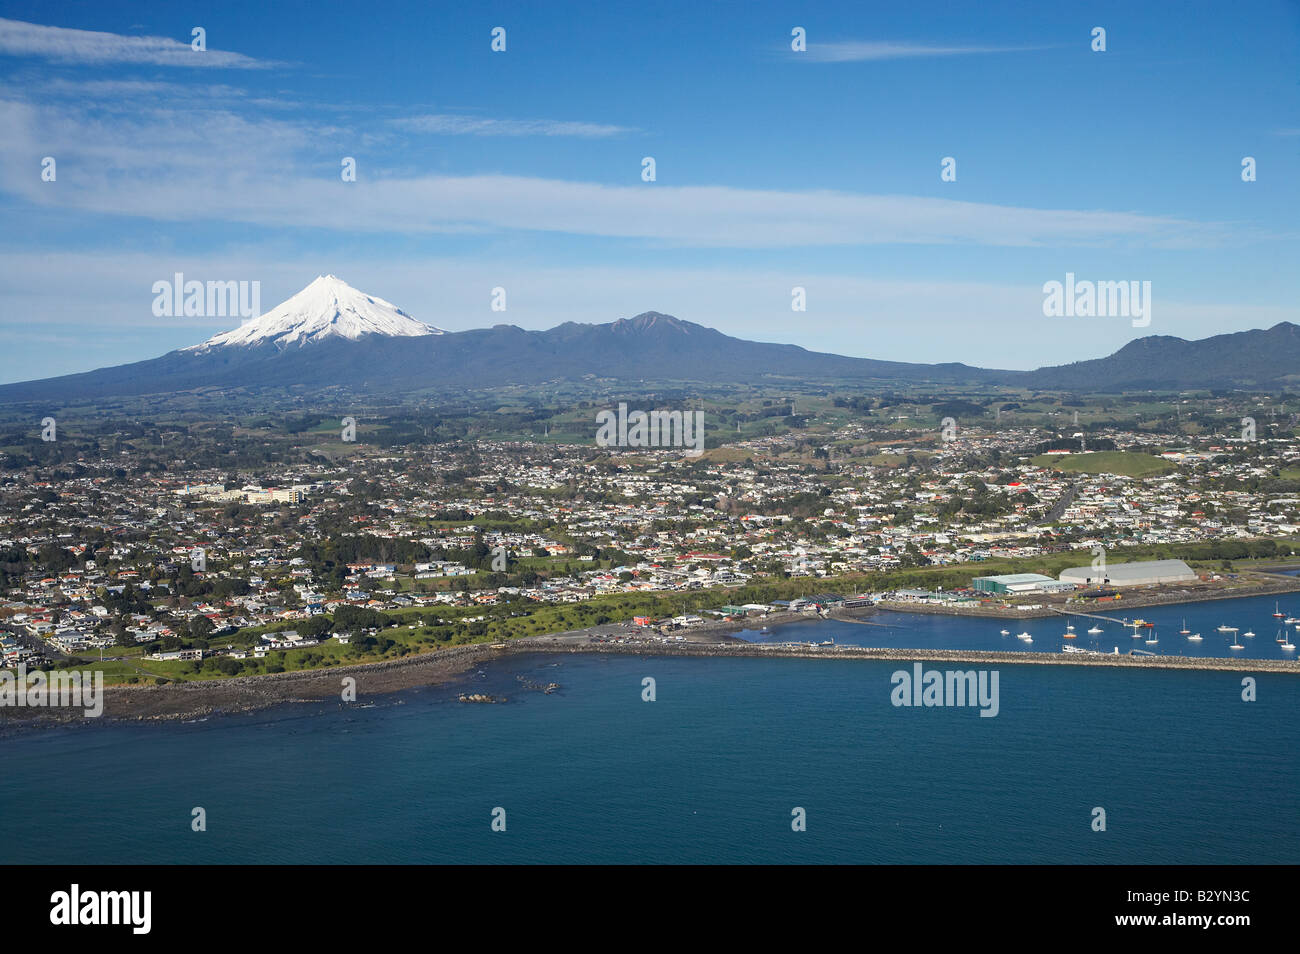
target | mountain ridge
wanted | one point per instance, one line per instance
(330, 335)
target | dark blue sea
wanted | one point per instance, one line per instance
(1186, 771)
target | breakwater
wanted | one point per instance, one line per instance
(974, 657)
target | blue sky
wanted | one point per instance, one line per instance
(522, 169)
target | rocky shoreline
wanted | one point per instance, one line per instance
(184, 701)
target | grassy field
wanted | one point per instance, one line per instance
(1127, 463)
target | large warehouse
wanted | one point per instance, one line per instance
(1130, 574)
(1012, 583)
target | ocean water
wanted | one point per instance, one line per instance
(1186, 771)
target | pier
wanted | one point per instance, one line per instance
(1109, 619)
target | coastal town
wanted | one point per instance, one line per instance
(318, 562)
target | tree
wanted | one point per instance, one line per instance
(316, 626)
(231, 667)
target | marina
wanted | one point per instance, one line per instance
(1235, 622)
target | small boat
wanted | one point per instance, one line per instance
(1288, 645)
(1280, 637)
(1195, 637)
(1069, 633)
(1291, 619)
(1006, 632)
(1184, 631)
(1236, 646)
(1277, 614)
(1024, 636)
(1227, 629)
(1154, 639)
(1248, 633)
(1094, 630)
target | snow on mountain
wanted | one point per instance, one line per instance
(327, 308)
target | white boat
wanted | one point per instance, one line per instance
(1006, 632)
(1288, 645)
(1184, 631)
(1195, 637)
(1025, 636)
(1248, 633)
(1154, 639)
(1236, 646)
(1095, 630)
(1291, 619)
(1229, 629)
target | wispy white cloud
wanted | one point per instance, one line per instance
(218, 166)
(62, 44)
(452, 125)
(851, 51)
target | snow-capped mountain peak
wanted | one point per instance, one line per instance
(327, 308)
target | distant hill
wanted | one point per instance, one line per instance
(1257, 359)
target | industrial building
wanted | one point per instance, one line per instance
(1010, 584)
(1144, 573)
